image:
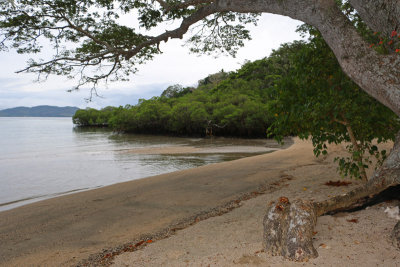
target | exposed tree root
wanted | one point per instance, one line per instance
(289, 227)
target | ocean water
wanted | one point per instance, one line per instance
(46, 157)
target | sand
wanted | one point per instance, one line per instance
(217, 230)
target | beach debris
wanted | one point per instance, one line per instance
(393, 212)
(353, 220)
(284, 200)
(139, 243)
(337, 183)
(259, 251)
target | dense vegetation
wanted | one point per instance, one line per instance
(228, 104)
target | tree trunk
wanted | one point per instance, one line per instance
(289, 227)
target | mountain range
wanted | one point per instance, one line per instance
(39, 111)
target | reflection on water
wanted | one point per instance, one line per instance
(46, 157)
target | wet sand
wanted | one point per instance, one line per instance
(67, 230)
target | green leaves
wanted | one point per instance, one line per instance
(317, 100)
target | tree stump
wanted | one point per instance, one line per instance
(288, 229)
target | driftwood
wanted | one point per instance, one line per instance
(289, 227)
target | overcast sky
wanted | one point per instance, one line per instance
(174, 66)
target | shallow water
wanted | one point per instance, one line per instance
(46, 157)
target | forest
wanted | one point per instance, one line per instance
(223, 104)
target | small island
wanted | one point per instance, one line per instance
(39, 111)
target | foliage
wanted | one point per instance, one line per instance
(316, 99)
(93, 117)
(176, 90)
(223, 104)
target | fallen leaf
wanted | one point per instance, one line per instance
(353, 220)
(322, 245)
(149, 241)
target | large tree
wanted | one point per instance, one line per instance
(91, 44)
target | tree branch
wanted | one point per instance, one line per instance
(178, 32)
(91, 36)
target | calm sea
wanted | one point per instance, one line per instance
(46, 157)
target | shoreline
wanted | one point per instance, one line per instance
(236, 149)
(107, 256)
(67, 230)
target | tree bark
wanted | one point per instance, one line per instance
(380, 15)
(289, 227)
(288, 230)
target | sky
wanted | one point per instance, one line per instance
(174, 66)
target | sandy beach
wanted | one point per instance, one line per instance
(207, 216)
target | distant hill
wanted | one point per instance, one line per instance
(39, 111)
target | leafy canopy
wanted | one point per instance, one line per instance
(90, 42)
